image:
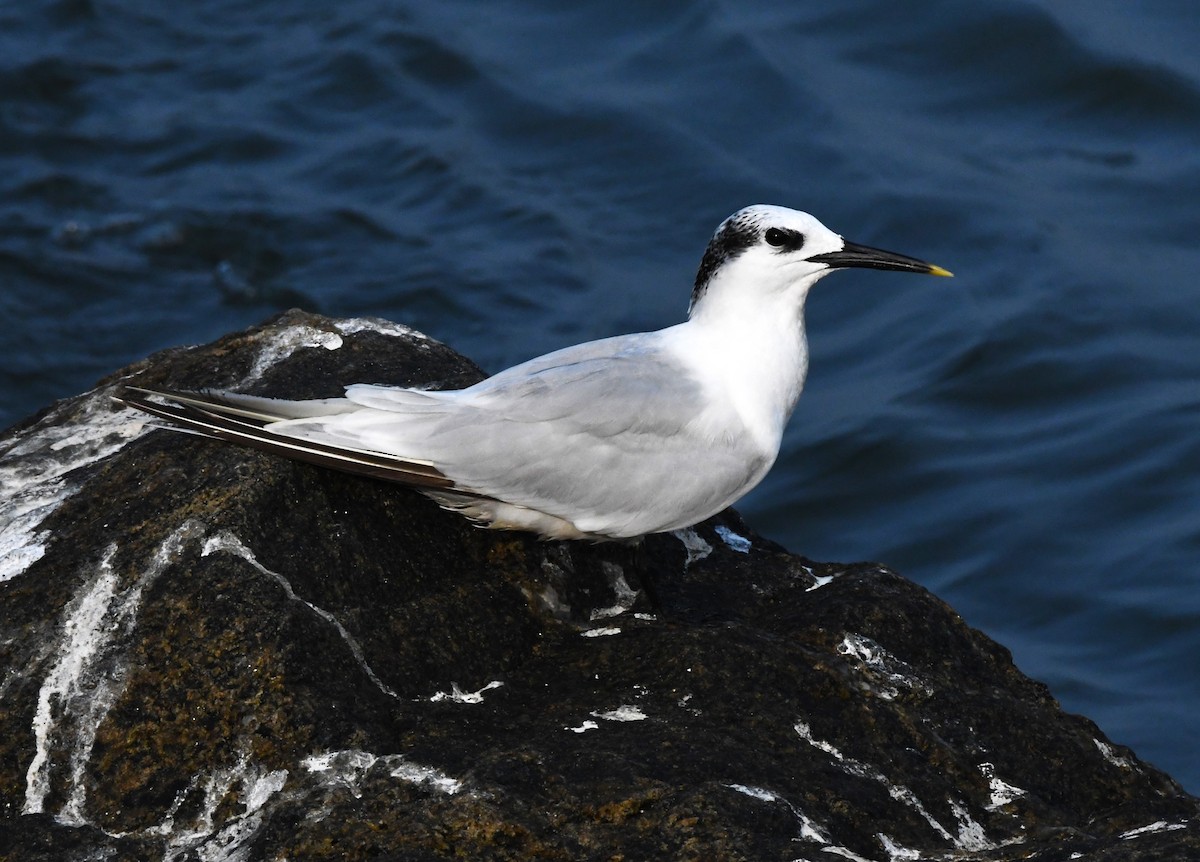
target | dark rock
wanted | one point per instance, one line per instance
(209, 653)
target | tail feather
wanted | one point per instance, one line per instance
(241, 419)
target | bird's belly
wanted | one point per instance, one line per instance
(627, 495)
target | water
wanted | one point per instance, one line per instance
(517, 177)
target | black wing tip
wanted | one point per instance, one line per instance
(217, 420)
(208, 401)
(138, 396)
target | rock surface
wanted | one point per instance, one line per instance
(207, 653)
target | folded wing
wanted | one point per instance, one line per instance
(614, 437)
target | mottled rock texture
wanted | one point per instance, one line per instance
(209, 653)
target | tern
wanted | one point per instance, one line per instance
(607, 440)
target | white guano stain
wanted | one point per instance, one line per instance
(888, 672)
(229, 543)
(1110, 754)
(198, 835)
(348, 769)
(697, 549)
(625, 595)
(622, 713)
(35, 465)
(340, 767)
(424, 775)
(1002, 792)
(969, 834)
(351, 325)
(88, 673)
(457, 695)
(845, 853)
(809, 830)
(1150, 829)
(896, 852)
(280, 344)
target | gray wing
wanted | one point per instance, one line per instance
(613, 435)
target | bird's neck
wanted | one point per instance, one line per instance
(756, 352)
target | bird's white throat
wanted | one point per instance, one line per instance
(746, 339)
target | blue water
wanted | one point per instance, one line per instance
(514, 176)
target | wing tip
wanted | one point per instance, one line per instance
(213, 418)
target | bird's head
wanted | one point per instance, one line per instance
(772, 250)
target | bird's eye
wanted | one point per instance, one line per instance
(783, 238)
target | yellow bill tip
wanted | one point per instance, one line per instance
(937, 270)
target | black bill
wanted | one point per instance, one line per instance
(865, 257)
